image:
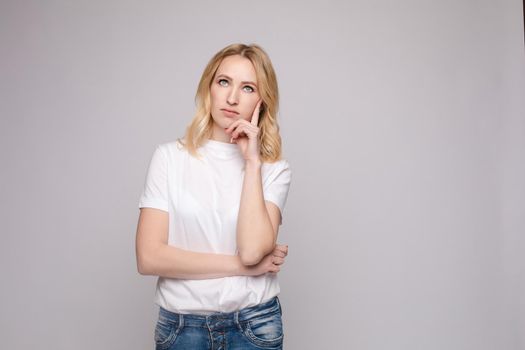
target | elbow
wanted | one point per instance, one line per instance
(148, 262)
(143, 265)
(253, 254)
(142, 268)
(249, 258)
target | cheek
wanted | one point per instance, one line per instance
(249, 107)
(213, 98)
(214, 95)
(246, 113)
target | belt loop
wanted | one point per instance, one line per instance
(181, 321)
(236, 319)
(279, 303)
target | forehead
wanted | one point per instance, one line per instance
(238, 68)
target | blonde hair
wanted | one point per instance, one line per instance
(200, 128)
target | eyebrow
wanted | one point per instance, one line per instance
(243, 82)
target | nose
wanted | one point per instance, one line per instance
(232, 97)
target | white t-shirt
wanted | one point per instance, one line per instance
(202, 198)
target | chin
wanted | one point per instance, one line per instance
(221, 122)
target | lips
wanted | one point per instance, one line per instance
(229, 110)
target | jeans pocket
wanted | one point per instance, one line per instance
(265, 330)
(166, 332)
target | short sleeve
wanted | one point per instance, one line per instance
(278, 184)
(155, 191)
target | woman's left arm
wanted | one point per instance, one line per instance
(258, 221)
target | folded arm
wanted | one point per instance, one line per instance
(258, 220)
(156, 257)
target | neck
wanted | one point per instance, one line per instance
(218, 134)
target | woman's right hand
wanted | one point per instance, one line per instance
(270, 263)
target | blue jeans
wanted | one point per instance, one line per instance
(254, 327)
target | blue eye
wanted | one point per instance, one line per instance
(247, 86)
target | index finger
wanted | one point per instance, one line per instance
(255, 116)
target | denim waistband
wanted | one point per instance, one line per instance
(222, 318)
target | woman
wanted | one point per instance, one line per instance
(211, 210)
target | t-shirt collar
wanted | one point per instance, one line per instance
(222, 148)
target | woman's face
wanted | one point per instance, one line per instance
(234, 88)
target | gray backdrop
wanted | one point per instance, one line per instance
(404, 123)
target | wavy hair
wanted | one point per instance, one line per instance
(200, 128)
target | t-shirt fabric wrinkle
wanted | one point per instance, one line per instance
(202, 198)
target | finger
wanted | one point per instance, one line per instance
(245, 129)
(238, 130)
(279, 253)
(255, 115)
(283, 249)
(233, 125)
(278, 261)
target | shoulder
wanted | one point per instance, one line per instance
(278, 164)
(276, 168)
(171, 148)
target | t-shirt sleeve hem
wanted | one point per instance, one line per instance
(153, 203)
(275, 200)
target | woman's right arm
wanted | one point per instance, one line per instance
(156, 257)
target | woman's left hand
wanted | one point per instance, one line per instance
(246, 135)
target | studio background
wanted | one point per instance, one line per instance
(404, 124)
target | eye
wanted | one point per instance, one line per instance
(251, 89)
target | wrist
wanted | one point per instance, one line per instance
(254, 164)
